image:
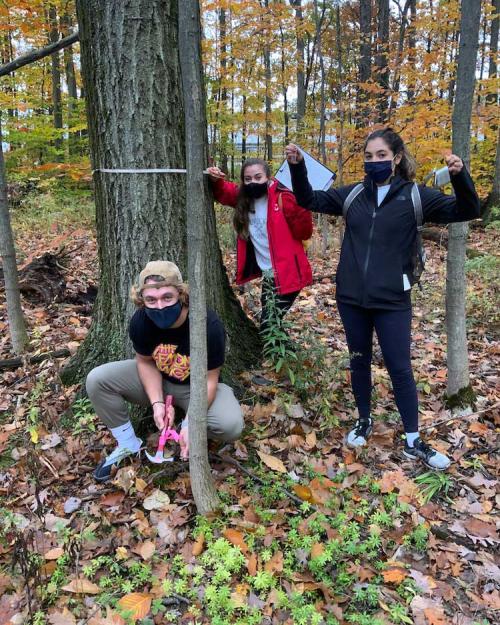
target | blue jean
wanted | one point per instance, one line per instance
(393, 328)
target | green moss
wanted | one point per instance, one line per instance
(466, 397)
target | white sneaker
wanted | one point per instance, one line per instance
(359, 435)
(102, 472)
(422, 451)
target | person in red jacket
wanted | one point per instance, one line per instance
(270, 227)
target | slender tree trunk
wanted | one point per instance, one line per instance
(202, 484)
(301, 82)
(494, 196)
(268, 149)
(399, 56)
(341, 114)
(412, 48)
(223, 91)
(244, 128)
(284, 89)
(136, 120)
(69, 68)
(56, 84)
(458, 360)
(365, 61)
(382, 58)
(323, 219)
(17, 326)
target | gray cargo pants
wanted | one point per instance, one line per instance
(112, 385)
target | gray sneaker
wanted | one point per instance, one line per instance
(103, 470)
(429, 456)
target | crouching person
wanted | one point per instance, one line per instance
(159, 330)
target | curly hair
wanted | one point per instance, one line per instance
(157, 282)
(407, 166)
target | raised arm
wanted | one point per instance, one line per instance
(299, 219)
(225, 192)
(329, 202)
(463, 206)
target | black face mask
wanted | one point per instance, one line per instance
(255, 190)
(165, 317)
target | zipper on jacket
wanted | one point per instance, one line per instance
(368, 251)
(275, 273)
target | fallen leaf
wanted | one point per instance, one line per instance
(252, 564)
(394, 575)
(476, 527)
(199, 544)
(236, 538)
(112, 499)
(53, 554)
(62, 618)
(272, 462)
(435, 616)
(140, 485)
(158, 500)
(317, 549)
(51, 440)
(147, 550)
(72, 504)
(304, 492)
(275, 564)
(137, 604)
(82, 586)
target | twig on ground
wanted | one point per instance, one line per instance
(454, 418)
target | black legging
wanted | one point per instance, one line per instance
(393, 329)
(282, 302)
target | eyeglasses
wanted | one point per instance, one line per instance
(168, 300)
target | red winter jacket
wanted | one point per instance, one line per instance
(287, 227)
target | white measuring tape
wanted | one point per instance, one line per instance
(143, 171)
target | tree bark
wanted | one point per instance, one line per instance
(382, 58)
(399, 56)
(223, 135)
(457, 354)
(136, 120)
(56, 84)
(17, 326)
(365, 61)
(301, 79)
(268, 154)
(492, 68)
(202, 484)
(69, 68)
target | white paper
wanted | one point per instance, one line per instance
(319, 176)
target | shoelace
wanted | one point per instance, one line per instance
(425, 448)
(361, 427)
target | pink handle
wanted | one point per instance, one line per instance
(167, 434)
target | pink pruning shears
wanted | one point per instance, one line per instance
(167, 434)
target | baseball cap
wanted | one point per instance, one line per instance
(164, 268)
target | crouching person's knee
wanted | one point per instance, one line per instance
(93, 383)
(225, 418)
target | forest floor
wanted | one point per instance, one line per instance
(310, 532)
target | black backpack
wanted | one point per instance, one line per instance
(418, 254)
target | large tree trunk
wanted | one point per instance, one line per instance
(458, 359)
(17, 327)
(56, 84)
(136, 120)
(202, 484)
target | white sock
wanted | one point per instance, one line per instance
(125, 436)
(411, 437)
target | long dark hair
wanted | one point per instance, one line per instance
(407, 166)
(244, 204)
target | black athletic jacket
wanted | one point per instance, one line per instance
(378, 241)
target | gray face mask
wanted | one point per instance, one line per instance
(165, 317)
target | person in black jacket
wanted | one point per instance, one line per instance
(374, 276)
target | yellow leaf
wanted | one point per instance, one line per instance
(136, 603)
(34, 435)
(121, 553)
(140, 485)
(304, 492)
(198, 545)
(273, 463)
(82, 587)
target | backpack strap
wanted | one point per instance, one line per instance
(351, 197)
(417, 206)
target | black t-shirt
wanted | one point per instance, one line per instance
(170, 348)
